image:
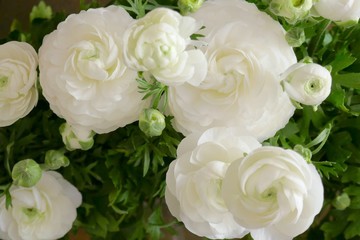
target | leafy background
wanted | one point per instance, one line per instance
(122, 178)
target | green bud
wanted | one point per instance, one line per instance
(42, 11)
(342, 201)
(26, 173)
(291, 10)
(189, 6)
(55, 159)
(152, 122)
(76, 137)
(305, 152)
(295, 37)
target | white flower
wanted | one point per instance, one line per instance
(338, 10)
(292, 10)
(18, 76)
(158, 43)
(246, 52)
(194, 180)
(75, 137)
(307, 83)
(83, 74)
(43, 212)
(273, 192)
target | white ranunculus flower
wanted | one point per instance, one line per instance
(194, 180)
(43, 212)
(307, 83)
(18, 76)
(246, 51)
(338, 10)
(291, 10)
(273, 192)
(159, 42)
(82, 71)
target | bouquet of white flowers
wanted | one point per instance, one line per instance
(231, 118)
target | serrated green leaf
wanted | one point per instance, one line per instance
(342, 61)
(337, 97)
(353, 228)
(350, 80)
(334, 228)
(352, 174)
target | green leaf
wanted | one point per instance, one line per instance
(337, 97)
(353, 229)
(342, 60)
(334, 228)
(352, 174)
(350, 80)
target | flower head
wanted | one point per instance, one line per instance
(44, 211)
(338, 10)
(18, 76)
(194, 181)
(307, 83)
(273, 192)
(241, 88)
(158, 43)
(88, 83)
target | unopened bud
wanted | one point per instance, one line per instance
(307, 83)
(76, 137)
(291, 10)
(189, 6)
(26, 173)
(55, 159)
(152, 122)
(305, 152)
(342, 201)
(295, 37)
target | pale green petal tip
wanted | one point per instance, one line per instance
(26, 173)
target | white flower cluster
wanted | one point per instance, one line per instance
(224, 184)
(228, 91)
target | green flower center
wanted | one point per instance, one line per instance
(313, 86)
(297, 3)
(32, 213)
(3, 81)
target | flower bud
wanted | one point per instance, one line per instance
(305, 152)
(291, 10)
(152, 122)
(189, 6)
(76, 137)
(295, 37)
(307, 83)
(339, 11)
(55, 160)
(342, 201)
(26, 173)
